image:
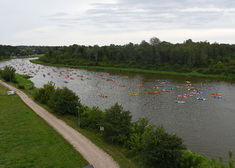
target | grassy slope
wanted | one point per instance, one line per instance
(27, 141)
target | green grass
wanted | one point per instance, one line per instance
(28, 141)
(7, 59)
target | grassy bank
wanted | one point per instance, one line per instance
(170, 73)
(7, 59)
(28, 141)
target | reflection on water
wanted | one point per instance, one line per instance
(207, 127)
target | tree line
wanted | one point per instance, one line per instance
(7, 51)
(189, 56)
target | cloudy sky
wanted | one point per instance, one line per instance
(105, 22)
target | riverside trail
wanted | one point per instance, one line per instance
(94, 155)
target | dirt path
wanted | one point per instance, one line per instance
(94, 155)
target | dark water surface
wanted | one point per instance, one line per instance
(207, 127)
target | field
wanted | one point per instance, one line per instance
(28, 141)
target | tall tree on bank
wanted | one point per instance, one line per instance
(8, 74)
(117, 124)
(64, 101)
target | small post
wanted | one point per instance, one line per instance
(78, 117)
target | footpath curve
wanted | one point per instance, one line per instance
(94, 155)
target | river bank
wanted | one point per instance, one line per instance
(170, 73)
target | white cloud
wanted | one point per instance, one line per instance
(198, 9)
(60, 22)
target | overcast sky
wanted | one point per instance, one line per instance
(105, 22)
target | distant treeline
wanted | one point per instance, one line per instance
(189, 56)
(7, 51)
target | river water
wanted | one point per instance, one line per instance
(206, 126)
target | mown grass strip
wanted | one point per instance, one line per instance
(26, 140)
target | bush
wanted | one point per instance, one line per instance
(91, 118)
(44, 94)
(64, 101)
(21, 87)
(8, 74)
(191, 160)
(117, 125)
(160, 149)
(134, 143)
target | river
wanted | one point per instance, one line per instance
(206, 126)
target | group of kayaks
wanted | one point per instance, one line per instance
(216, 95)
(180, 99)
(193, 92)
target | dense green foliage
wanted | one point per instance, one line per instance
(117, 124)
(64, 101)
(8, 73)
(44, 94)
(7, 51)
(189, 56)
(154, 146)
(91, 118)
(26, 140)
(60, 100)
(160, 149)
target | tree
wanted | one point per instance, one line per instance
(64, 101)
(44, 94)
(135, 142)
(154, 41)
(8, 73)
(161, 149)
(91, 118)
(117, 124)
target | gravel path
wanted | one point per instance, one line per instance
(94, 155)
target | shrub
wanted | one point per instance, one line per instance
(134, 143)
(161, 149)
(117, 124)
(64, 101)
(91, 118)
(44, 94)
(21, 87)
(8, 74)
